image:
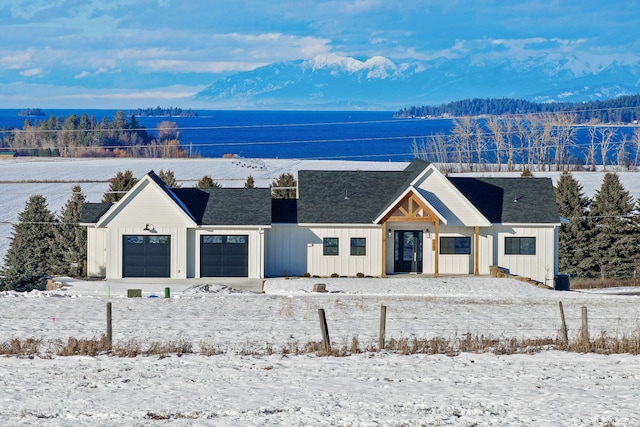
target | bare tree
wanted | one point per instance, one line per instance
(508, 126)
(565, 137)
(635, 140)
(494, 123)
(591, 152)
(621, 152)
(462, 134)
(605, 135)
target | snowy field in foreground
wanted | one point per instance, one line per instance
(548, 388)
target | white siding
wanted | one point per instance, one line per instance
(543, 265)
(286, 253)
(150, 206)
(96, 252)
(448, 201)
(295, 250)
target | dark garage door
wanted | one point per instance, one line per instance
(224, 256)
(146, 256)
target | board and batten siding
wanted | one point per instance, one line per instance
(457, 263)
(543, 266)
(152, 207)
(293, 250)
(96, 252)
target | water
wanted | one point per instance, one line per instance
(331, 135)
(283, 134)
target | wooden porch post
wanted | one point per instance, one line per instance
(477, 249)
(383, 270)
(437, 249)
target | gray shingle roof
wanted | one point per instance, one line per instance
(511, 200)
(227, 206)
(351, 197)
(92, 212)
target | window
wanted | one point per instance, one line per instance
(330, 246)
(519, 245)
(455, 245)
(358, 246)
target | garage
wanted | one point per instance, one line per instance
(146, 256)
(224, 256)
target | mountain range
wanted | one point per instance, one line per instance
(335, 82)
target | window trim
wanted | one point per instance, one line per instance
(521, 249)
(467, 248)
(328, 250)
(358, 248)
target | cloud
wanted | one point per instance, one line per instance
(17, 60)
(33, 72)
(180, 66)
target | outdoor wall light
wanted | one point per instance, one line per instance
(148, 227)
(389, 233)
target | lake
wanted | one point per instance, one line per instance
(332, 135)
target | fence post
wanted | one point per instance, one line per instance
(325, 330)
(109, 330)
(563, 329)
(585, 329)
(383, 326)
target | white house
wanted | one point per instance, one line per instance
(346, 222)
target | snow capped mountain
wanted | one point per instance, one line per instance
(330, 81)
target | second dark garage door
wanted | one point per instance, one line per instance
(224, 256)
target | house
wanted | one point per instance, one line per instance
(375, 223)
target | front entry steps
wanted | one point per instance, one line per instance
(501, 272)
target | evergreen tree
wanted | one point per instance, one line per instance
(284, 187)
(615, 241)
(30, 258)
(249, 183)
(119, 184)
(207, 182)
(168, 178)
(70, 244)
(574, 256)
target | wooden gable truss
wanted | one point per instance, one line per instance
(412, 209)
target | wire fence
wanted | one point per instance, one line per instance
(236, 323)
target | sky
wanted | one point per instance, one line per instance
(142, 53)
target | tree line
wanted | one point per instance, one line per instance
(44, 244)
(549, 141)
(624, 109)
(86, 136)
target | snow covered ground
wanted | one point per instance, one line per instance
(243, 386)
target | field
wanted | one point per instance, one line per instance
(212, 356)
(240, 365)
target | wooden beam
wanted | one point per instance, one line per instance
(477, 249)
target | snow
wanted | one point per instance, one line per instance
(244, 386)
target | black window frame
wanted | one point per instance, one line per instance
(520, 245)
(358, 249)
(330, 245)
(456, 249)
